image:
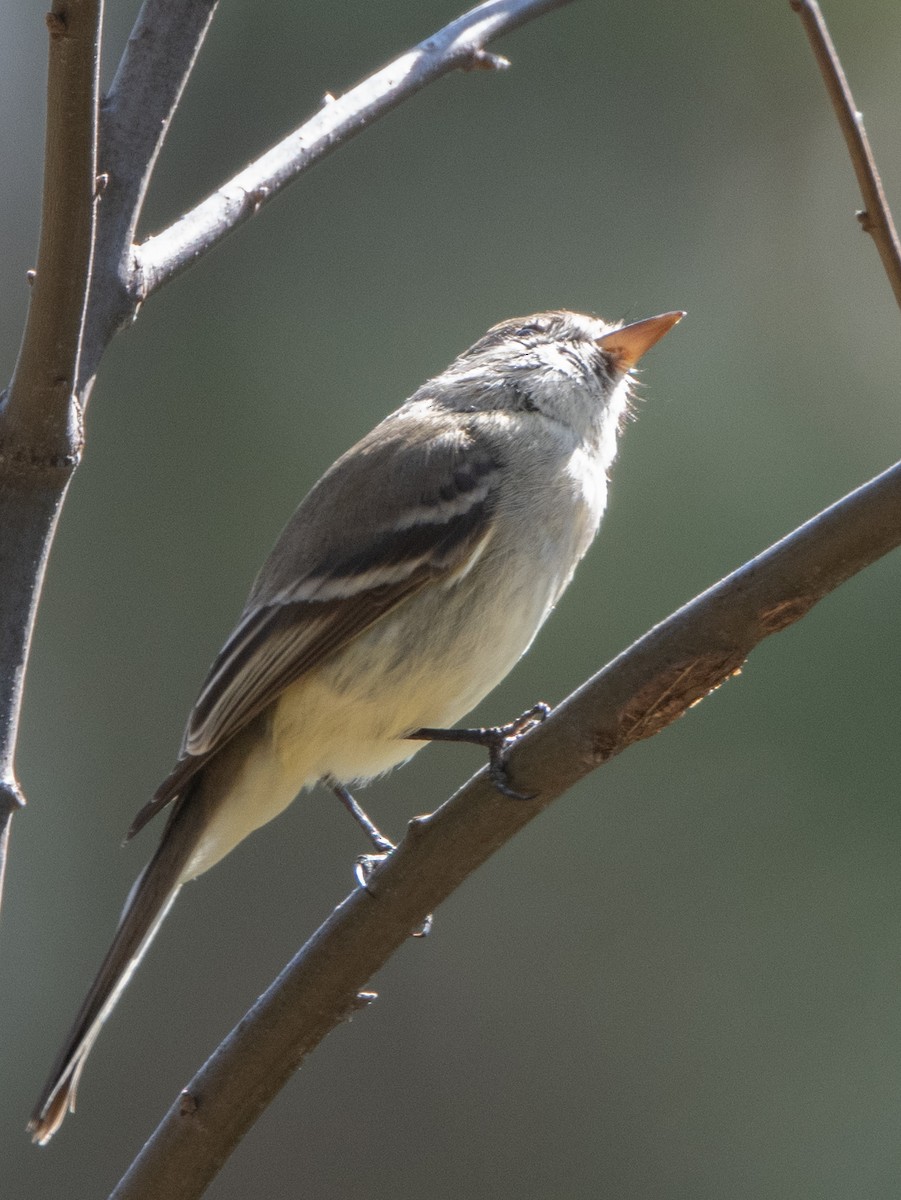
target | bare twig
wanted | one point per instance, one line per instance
(458, 45)
(134, 121)
(146, 89)
(876, 217)
(643, 690)
(40, 417)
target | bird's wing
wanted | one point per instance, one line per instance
(353, 551)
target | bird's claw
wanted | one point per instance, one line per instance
(499, 741)
(365, 866)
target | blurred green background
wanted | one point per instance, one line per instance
(683, 981)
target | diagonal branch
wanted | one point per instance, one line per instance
(459, 45)
(642, 691)
(876, 218)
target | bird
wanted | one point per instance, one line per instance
(408, 582)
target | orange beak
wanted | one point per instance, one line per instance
(627, 345)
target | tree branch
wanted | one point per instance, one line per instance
(134, 121)
(876, 218)
(137, 111)
(458, 45)
(40, 417)
(642, 691)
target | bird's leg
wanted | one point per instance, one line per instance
(380, 843)
(497, 738)
(367, 863)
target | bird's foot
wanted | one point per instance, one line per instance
(497, 739)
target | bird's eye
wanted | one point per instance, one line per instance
(541, 325)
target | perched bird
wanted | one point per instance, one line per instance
(403, 589)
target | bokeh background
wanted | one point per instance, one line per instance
(683, 981)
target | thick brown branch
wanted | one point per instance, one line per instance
(646, 688)
(876, 218)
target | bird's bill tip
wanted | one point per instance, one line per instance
(630, 342)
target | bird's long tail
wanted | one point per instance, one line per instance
(148, 903)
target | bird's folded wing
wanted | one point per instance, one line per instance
(348, 557)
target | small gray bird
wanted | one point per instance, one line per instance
(404, 588)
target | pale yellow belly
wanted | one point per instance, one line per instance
(426, 664)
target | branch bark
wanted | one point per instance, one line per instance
(638, 694)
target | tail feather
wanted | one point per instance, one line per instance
(150, 900)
